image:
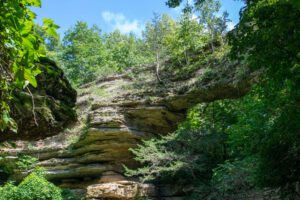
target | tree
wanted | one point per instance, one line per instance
(176, 3)
(268, 39)
(214, 24)
(208, 16)
(191, 152)
(189, 37)
(124, 51)
(83, 53)
(156, 35)
(86, 54)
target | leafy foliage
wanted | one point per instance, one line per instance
(192, 151)
(175, 3)
(33, 187)
(223, 147)
(268, 39)
(82, 52)
(86, 54)
(21, 163)
(215, 25)
(233, 177)
(124, 51)
(20, 49)
(260, 145)
(189, 39)
(26, 162)
(68, 195)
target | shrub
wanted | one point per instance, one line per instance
(8, 192)
(26, 162)
(236, 176)
(36, 187)
(33, 187)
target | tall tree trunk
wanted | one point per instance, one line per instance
(212, 43)
(157, 67)
(186, 57)
(212, 38)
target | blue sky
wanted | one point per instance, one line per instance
(125, 15)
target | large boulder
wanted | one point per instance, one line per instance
(43, 111)
(128, 190)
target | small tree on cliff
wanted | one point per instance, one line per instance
(157, 35)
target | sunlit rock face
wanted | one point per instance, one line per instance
(114, 115)
(120, 190)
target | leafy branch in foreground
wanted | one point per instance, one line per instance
(20, 48)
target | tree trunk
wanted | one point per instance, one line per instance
(212, 43)
(186, 57)
(157, 67)
(212, 38)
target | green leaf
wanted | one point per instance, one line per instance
(36, 3)
(26, 28)
(30, 77)
(50, 27)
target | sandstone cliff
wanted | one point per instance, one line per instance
(114, 114)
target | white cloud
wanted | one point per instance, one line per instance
(230, 26)
(109, 16)
(194, 16)
(127, 27)
(120, 22)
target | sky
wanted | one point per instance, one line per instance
(125, 15)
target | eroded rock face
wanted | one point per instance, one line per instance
(115, 114)
(43, 111)
(131, 190)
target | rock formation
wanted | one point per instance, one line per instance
(115, 114)
(45, 110)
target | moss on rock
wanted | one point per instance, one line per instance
(48, 110)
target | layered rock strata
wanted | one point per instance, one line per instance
(115, 114)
